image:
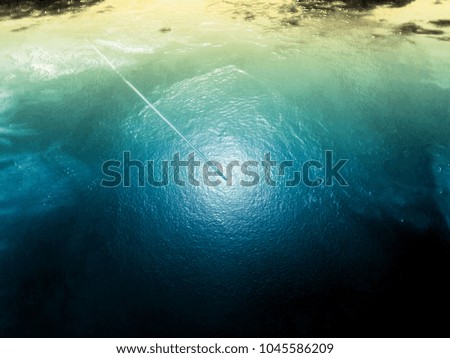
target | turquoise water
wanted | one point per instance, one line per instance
(82, 259)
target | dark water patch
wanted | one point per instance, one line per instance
(105, 10)
(6, 163)
(249, 16)
(441, 23)
(293, 21)
(412, 28)
(410, 290)
(289, 8)
(20, 29)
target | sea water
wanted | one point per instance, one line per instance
(81, 259)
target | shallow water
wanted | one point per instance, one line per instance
(80, 259)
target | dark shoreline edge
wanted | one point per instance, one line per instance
(17, 9)
(358, 5)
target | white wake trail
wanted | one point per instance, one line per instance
(149, 104)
